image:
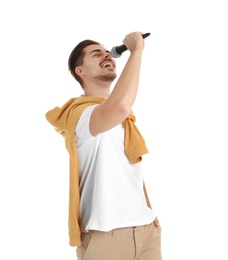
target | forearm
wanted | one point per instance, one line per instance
(146, 196)
(127, 85)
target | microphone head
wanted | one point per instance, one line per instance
(114, 53)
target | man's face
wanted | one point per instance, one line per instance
(98, 64)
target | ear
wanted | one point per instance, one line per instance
(78, 70)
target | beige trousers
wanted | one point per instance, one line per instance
(133, 243)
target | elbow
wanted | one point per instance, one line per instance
(124, 109)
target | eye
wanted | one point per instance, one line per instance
(97, 55)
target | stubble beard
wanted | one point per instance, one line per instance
(108, 77)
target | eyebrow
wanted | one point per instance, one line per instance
(98, 50)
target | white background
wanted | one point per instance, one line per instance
(181, 109)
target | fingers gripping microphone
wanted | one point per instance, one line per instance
(117, 51)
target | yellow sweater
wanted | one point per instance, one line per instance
(64, 120)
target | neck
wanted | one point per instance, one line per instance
(97, 89)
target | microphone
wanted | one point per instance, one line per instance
(117, 51)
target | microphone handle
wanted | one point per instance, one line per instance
(145, 35)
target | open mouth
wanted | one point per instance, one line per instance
(107, 64)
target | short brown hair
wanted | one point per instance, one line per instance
(76, 57)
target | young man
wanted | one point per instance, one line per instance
(110, 216)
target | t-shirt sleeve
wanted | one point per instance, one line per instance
(82, 128)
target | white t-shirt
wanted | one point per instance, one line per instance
(111, 188)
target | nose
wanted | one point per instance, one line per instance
(107, 55)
